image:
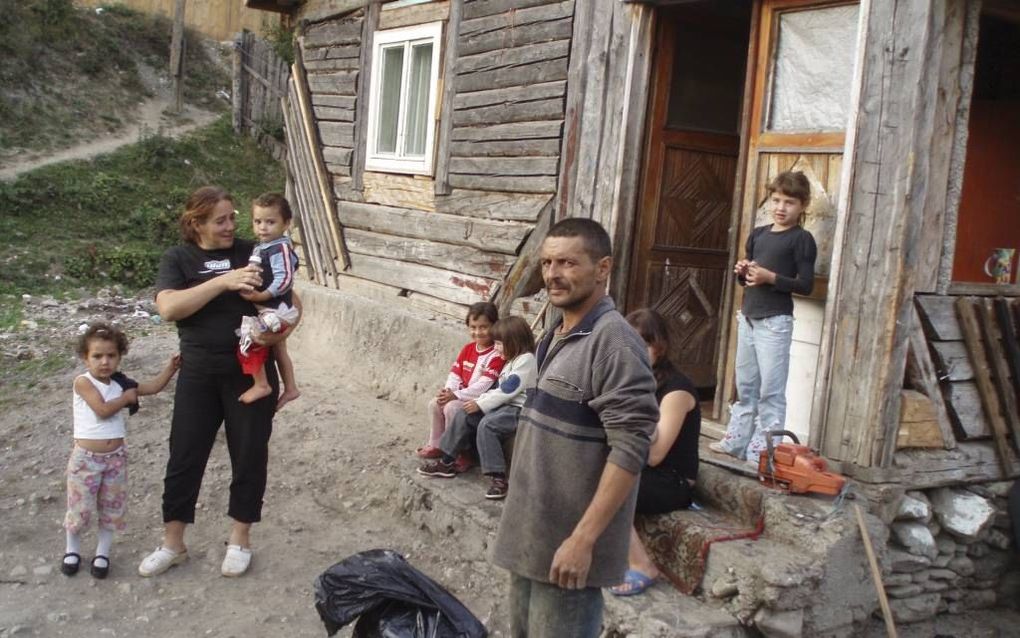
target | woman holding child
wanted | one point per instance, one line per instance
(203, 285)
(667, 482)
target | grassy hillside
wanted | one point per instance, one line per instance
(68, 73)
(88, 224)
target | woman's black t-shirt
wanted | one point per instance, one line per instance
(683, 456)
(207, 337)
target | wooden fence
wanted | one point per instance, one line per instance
(218, 19)
(260, 82)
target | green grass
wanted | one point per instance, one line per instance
(89, 224)
(68, 73)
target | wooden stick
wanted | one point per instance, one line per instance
(982, 375)
(1009, 342)
(876, 574)
(305, 113)
(994, 349)
(541, 314)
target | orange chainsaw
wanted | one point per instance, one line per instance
(796, 468)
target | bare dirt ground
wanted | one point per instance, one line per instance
(334, 469)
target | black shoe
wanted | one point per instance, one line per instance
(100, 572)
(70, 569)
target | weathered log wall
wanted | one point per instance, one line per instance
(456, 237)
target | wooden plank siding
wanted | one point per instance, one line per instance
(452, 238)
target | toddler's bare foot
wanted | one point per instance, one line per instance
(287, 396)
(255, 393)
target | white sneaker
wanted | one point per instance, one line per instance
(236, 561)
(161, 560)
(717, 447)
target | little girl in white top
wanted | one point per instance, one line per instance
(97, 469)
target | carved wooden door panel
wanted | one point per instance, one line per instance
(681, 251)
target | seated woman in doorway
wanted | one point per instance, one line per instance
(667, 482)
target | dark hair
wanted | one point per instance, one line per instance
(515, 335)
(101, 332)
(277, 201)
(654, 330)
(596, 239)
(199, 208)
(792, 184)
(482, 309)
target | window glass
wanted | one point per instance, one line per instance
(389, 99)
(814, 62)
(417, 109)
(708, 79)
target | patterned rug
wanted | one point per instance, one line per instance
(679, 542)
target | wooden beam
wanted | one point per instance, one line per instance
(919, 360)
(503, 237)
(446, 115)
(489, 205)
(333, 33)
(515, 131)
(237, 93)
(504, 166)
(450, 285)
(952, 360)
(1009, 342)
(415, 14)
(522, 26)
(369, 26)
(982, 374)
(546, 70)
(512, 184)
(939, 316)
(481, 8)
(467, 259)
(521, 280)
(177, 48)
(337, 83)
(963, 403)
(996, 353)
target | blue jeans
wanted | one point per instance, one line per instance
(542, 610)
(763, 364)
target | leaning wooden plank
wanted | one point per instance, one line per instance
(952, 361)
(939, 317)
(524, 277)
(508, 148)
(982, 373)
(467, 259)
(369, 26)
(963, 403)
(332, 33)
(503, 237)
(338, 83)
(487, 205)
(527, 26)
(445, 284)
(504, 166)
(480, 8)
(996, 353)
(515, 131)
(512, 112)
(307, 118)
(524, 184)
(1009, 342)
(513, 58)
(312, 201)
(919, 361)
(522, 75)
(298, 174)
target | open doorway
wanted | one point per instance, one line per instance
(681, 252)
(988, 230)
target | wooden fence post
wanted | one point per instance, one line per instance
(177, 48)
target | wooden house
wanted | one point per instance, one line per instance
(439, 140)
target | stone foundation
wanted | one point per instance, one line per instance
(950, 551)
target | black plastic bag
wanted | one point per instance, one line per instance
(392, 598)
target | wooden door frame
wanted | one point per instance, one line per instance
(759, 140)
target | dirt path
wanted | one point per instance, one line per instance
(150, 118)
(333, 476)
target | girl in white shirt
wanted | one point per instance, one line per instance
(97, 469)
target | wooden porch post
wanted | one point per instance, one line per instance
(892, 159)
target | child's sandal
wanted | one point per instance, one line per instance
(98, 571)
(70, 569)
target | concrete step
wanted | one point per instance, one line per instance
(457, 508)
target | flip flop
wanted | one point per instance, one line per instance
(634, 583)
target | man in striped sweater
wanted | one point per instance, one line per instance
(582, 440)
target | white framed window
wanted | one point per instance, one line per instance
(402, 99)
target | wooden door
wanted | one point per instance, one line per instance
(681, 254)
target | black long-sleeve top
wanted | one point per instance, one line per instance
(791, 255)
